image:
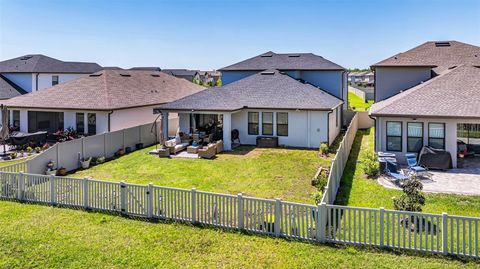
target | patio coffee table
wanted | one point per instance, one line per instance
(193, 149)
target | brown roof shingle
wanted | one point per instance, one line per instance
(453, 94)
(435, 54)
(109, 90)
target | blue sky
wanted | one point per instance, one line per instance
(212, 34)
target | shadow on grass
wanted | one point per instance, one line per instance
(353, 161)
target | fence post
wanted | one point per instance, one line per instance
(240, 211)
(20, 186)
(194, 205)
(86, 194)
(321, 222)
(382, 212)
(278, 216)
(123, 196)
(53, 194)
(150, 200)
(445, 233)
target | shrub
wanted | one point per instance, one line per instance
(219, 83)
(323, 149)
(38, 149)
(317, 197)
(371, 166)
(29, 149)
(412, 198)
(321, 181)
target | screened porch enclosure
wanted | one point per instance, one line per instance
(45, 121)
(469, 134)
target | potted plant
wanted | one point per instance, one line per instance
(100, 159)
(45, 146)
(38, 149)
(13, 155)
(29, 150)
(85, 163)
(51, 168)
(62, 171)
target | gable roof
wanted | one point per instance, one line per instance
(453, 94)
(439, 55)
(268, 89)
(8, 89)
(37, 63)
(109, 90)
(286, 61)
(180, 72)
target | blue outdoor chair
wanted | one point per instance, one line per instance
(391, 169)
(413, 164)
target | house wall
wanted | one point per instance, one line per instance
(329, 81)
(305, 128)
(126, 118)
(45, 79)
(391, 80)
(24, 80)
(231, 76)
(450, 134)
(335, 124)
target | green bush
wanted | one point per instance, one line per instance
(219, 83)
(371, 166)
(323, 149)
(317, 197)
(412, 198)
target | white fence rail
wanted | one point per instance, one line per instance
(358, 93)
(339, 162)
(323, 223)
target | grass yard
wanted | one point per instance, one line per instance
(357, 190)
(354, 101)
(265, 173)
(35, 236)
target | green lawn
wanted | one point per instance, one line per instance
(266, 173)
(357, 190)
(354, 101)
(35, 236)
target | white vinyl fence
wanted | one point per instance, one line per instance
(358, 93)
(68, 154)
(323, 223)
(339, 162)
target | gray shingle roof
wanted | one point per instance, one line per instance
(286, 61)
(431, 54)
(8, 89)
(453, 94)
(180, 72)
(37, 63)
(109, 90)
(268, 89)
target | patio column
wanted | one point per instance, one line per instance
(227, 131)
(165, 124)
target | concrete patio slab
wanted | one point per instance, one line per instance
(464, 181)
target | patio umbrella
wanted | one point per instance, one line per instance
(4, 131)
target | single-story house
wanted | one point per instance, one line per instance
(441, 109)
(269, 103)
(105, 101)
(36, 72)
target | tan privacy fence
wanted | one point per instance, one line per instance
(68, 154)
(339, 162)
(323, 223)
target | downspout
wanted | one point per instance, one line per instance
(375, 130)
(109, 113)
(36, 81)
(328, 127)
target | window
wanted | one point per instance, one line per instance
(54, 80)
(92, 123)
(80, 119)
(436, 135)
(16, 119)
(394, 136)
(267, 123)
(282, 123)
(253, 123)
(414, 136)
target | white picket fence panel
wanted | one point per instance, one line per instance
(434, 233)
(339, 162)
(16, 167)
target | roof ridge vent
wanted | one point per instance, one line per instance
(155, 75)
(125, 75)
(294, 55)
(95, 75)
(442, 44)
(267, 73)
(452, 67)
(266, 55)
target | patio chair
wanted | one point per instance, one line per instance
(207, 152)
(413, 165)
(391, 169)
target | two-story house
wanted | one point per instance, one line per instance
(295, 99)
(428, 95)
(36, 72)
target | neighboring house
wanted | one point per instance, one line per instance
(364, 77)
(189, 75)
(215, 75)
(37, 72)
(268, 103)
(308, 67)
(105, 101)
(8, 89)
(428, 95)
(204, 77)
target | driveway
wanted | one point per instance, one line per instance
(464, 181)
